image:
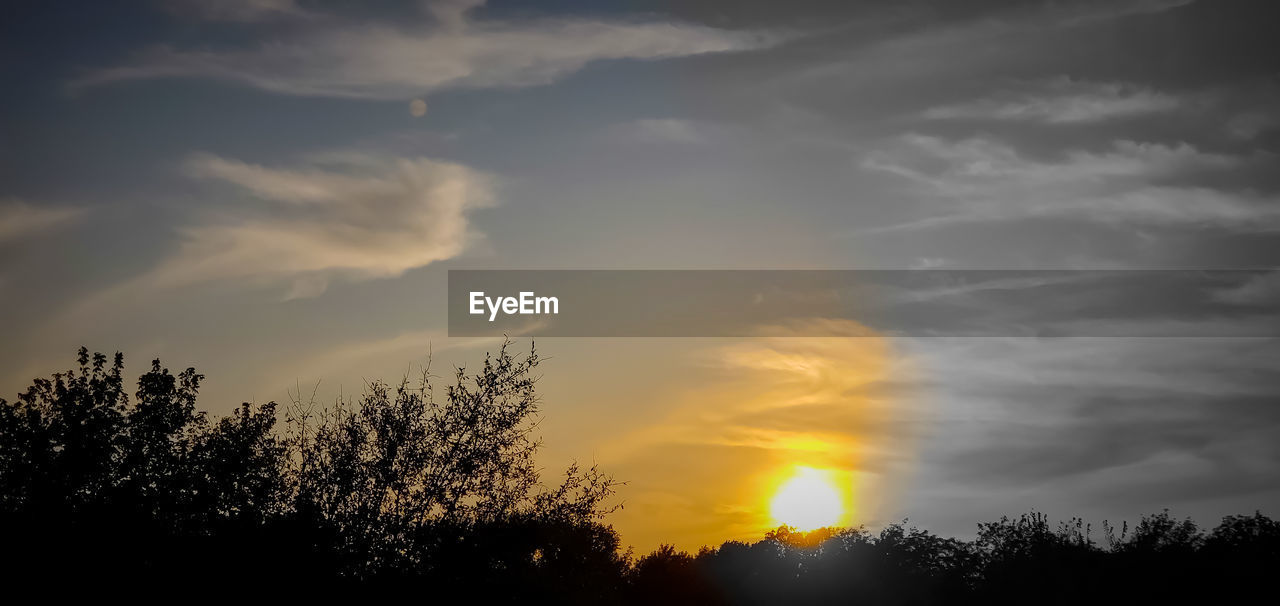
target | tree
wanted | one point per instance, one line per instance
(397, 484)
(61, 439)
(386, 472)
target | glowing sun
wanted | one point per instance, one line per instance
(808, 500)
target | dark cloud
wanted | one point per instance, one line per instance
(1110, 427)
(1108, 432)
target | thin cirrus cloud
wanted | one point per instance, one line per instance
(661, 131)
(244, 11)
(759, 408)
(19, 218)
(981, 179)
(375, 61)
(364, 217)
(1063, 101)
(1115, 10)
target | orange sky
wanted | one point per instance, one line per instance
(704, 431)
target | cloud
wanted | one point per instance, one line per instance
(1064, 101)
(1250, 125)
(1018, 413)
(19, 219)
(365, 358)
(660, 130)
(1102, 11)
(376, 61)
(758, 408)
(299, 186)
(368, 217)
(452, 14)
(982, 179)
(1261, 290)
(244, 11)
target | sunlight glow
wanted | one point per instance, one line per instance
(808, 500)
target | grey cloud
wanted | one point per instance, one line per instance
(1116, 10)
(981, 179)
(1064, 101)
(827, 12)
(881, 71)
(1016, 454)
(1090, 426)
(660, 130)
(1250, 125)
(1262, 290)
(1009, 413)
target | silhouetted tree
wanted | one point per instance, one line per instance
(388, 474)
(62, 437)
(398, 484)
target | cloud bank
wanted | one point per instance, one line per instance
(1135, 423)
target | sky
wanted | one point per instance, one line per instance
(273, 191)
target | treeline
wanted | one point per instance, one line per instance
(109, 486)
(1026, 560)
(403, 484)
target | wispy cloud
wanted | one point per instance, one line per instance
(18, 218)
(375, 217)
(760, 407)
(659, 130)
(244, 11)
(1101, 11)
(1063, 101)
(982, 179)
(378, 61)
(1262, 290)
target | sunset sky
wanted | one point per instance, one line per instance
(272, 191)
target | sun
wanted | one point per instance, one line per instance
(808, 500)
